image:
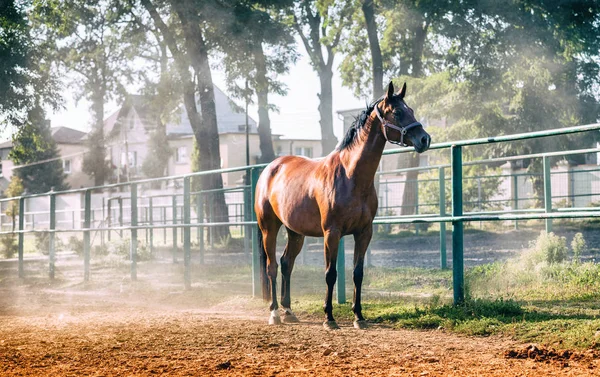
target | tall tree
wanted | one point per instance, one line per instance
(258, 47)
(368, 10)
(320, 24)
(191, 60)
(89, 43)
(25, 79)
(36, 156)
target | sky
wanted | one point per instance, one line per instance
(298, 115)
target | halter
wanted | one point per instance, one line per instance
(403, 130)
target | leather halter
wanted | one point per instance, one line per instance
(403, 130)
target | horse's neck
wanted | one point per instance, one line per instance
(362, 159)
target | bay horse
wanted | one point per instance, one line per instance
(331, 197)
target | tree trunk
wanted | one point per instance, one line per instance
(98, 150)
(267, 154)
(328, 139)
(368, 9)
(409, 196)
(205, 127)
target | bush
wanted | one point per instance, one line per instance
(75, 244)
(122, 248)
(548, 248)
(579, 246)
(9, 245)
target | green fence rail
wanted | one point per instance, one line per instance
(457, 217)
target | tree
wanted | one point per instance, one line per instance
(25, 80)
(253, 30)
(88, 38)
(191, 60)
(320, 24)
(15, 188)
(36, 151)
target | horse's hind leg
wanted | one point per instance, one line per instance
(269, 233)
(292, 249)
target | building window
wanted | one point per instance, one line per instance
(181, 157)
(304, 151)
(67, 166)
(131, 159)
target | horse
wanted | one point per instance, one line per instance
(330, 197)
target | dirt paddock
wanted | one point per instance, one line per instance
(49, 331)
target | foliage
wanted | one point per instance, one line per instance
(42, 242)
(8, 242)
(25, 82)
(34, 147)
(87, 38)
(75, 244)
(15, 188)
(548, 248)
(480, 185)
(578, 246)
(258, 48)
(320, 25)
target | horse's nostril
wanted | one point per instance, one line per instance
(424, 140)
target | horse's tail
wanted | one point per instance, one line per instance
(264, 279)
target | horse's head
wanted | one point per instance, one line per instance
(398, 121)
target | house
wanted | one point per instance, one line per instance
(128, 131)
(71, 148)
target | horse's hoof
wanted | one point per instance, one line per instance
(290, 318)
(331, 325)
(274, 320)
(361, 325)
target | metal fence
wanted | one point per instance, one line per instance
(178, 217)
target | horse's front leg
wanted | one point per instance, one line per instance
(332, 241)
(361, 243)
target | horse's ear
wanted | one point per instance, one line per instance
(402, 91)
(390, 90)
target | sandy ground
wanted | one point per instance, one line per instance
(112, 327)
(58, 332)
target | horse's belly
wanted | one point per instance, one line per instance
(303, 219)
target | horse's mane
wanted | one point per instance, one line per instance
(359, 122)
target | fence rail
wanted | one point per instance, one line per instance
(158, 213)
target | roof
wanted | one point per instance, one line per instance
(66, 135)
(6, 144)
(230, 118)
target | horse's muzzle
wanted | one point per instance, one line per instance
(422, 143)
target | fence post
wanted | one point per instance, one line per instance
(164, 216)
(121, 217)
(417, 226)
(102, 222)
(174, 204)
(87, 216)
(515, 189)
(547, 192)
(256, 289)
(457, 231)
(151, 222)
(443, 257)
(21, 235)
(109, 220)
(341, 270)
(51, 253)
(134, 232)
(247, 216)
(186, 233)
(201, 228)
